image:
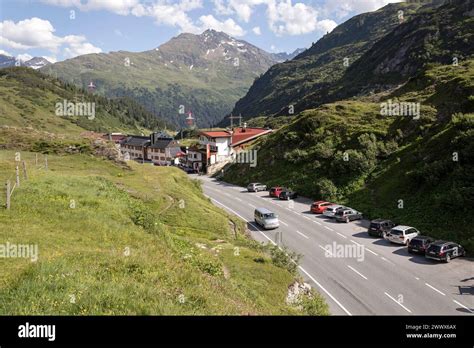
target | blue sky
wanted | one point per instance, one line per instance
(61, 29)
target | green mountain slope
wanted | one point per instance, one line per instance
(205, 73)
(28, 99)
(349, 153)
(381, 53)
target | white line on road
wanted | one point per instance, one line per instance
(356, 243)
(327, 292)
(326, 250)
(352, 268)
(297, 213)
(317, 222)
(306, 217)
(343, 236)
(401, 305)
(302, 234)
(328, 228)
(251, 205)
(284, 223)
(238, 199)
(432, 287)
(370, 251)
(460, 304)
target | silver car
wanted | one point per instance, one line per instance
(401, 234)
(266, 218)
(331, 210)
(256, 186)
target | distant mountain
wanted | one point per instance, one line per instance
(204, 73)
(35, 63)
(284, 56)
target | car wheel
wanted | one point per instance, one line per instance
(448, 258)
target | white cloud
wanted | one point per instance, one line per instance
(228, 26)
(24, 57)
(326, 25)
(39, 33)
(257, 31)
(286, 18)
(5, 53)
(343, 8)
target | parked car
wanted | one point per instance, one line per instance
(319, 207)
(379, 227)
(347, 214)
(419, 244)
(275, 191)
(331, 210)
(402, 234)
(266, 218)
(287, 195)
(255, 187)
(444, 251)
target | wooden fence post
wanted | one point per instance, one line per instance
(17, 171)
(8, 193)
(46, 162)
(25, 175)
(36, 159)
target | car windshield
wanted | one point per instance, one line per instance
(396, 232)
(375, 225)
(270, 216)
(416, 242)
(434, 248)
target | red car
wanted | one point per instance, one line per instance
(319, 207)
(275, 191)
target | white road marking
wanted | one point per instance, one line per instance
(370, 251)
(328, 228)
(343, 236)
(326, 250)
(432, 287)
(251, 205)
(307, 218)
(297, 213)
(383, 258)
(327, 292)
(284, 223)
(417, 278)
(302, 234)
(460, 304)
(363, 276)
(317, 222)
(356, 243)
(238, 199)
(401, 305)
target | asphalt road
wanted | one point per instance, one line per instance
(383, 279)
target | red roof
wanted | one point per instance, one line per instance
(242, 135)
(216, 134)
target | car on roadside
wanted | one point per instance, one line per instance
(444, 251)
(331, 210)
(419, 244)
(266, 218)
(319, 207)
(287, 195)
(379, 227)
(256, 186)
(275, 191)
(401, 234)
(347, 215)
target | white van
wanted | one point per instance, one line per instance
(266, 218)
